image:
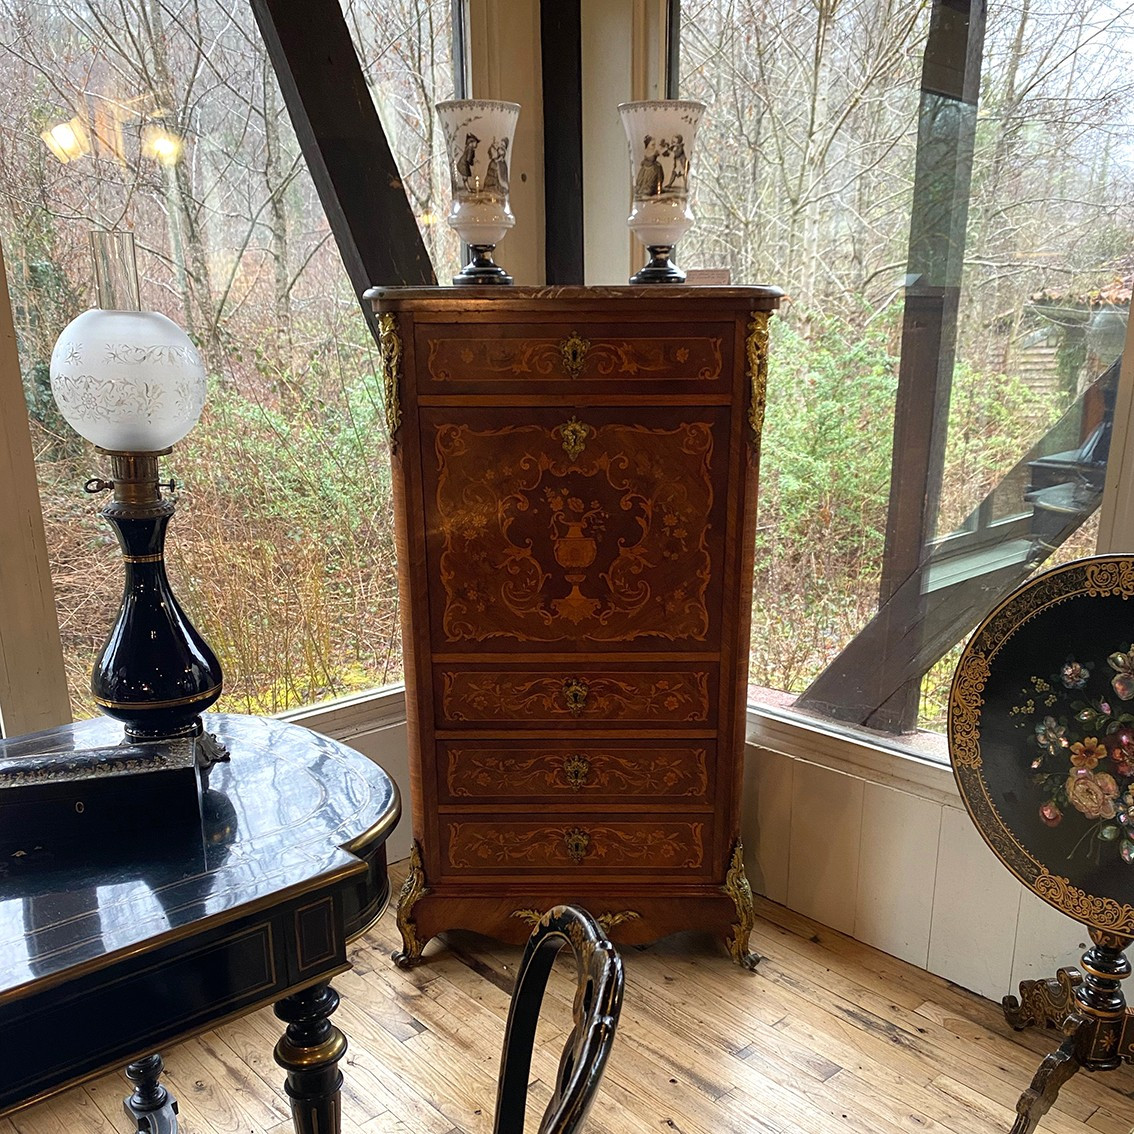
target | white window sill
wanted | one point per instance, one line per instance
(861, 754)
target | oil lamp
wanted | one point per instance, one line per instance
(132, 383)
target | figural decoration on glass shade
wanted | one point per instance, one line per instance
(478, 140)
(132, 383)
(661, 133)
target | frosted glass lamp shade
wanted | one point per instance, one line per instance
(128, 381)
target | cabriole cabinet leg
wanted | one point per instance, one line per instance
(737, 888)
(412, 890)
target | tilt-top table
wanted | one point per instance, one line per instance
(111, 953)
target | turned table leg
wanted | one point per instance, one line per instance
(150, 1105)
(309, 1052)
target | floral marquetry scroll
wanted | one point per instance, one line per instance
(574, 357)
(650, 845)
(672, 696)
(1041, 736)
(592, 530)
(642, 770)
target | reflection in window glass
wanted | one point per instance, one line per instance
(166, 119)
(815, 133)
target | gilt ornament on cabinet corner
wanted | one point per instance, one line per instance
(736, 886)
(757, 351)
(390, 360)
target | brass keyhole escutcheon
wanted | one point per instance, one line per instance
(573, 350)
(576, 768)
(575, 694)
(577, 841)
(574, 434)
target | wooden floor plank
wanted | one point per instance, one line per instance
(828, 1036)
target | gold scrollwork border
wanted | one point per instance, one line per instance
(756, 348)
(607, 920)
(1101, 576)
(1099, 913)
(390, 358)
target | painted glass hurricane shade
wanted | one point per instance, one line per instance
(661, 134)
(478, 140)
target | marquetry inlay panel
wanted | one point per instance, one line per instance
(575, 529)
(537, 696)
(673, 355)
(564, 775)
(578, 846)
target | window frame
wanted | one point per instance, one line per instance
(32, 683)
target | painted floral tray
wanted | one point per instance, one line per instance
(1041, 737)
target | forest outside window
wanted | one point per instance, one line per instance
(167, 119)
(959, 271)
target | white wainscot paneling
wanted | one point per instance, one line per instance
(826, 830)
(896, 871)
(766, 821)
(1046, 940)
(976, 904)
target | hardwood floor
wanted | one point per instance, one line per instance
(827, 1035)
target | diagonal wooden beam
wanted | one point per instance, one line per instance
(344, 144)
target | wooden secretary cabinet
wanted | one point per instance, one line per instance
(575, 478)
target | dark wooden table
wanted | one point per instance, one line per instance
(110, 953)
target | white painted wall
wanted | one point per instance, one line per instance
(880, 847)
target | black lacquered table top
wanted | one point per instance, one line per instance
(276, 818)
(1041, 737)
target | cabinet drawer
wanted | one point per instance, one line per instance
(584, 697)
(461, 358)
(558, 773)
(648, 846)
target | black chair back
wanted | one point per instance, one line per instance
(598, 1000)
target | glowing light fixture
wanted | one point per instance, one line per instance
(67, 140)
(162, 145)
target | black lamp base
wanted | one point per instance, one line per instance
(155, 674)
(481, 269)
(660, 269)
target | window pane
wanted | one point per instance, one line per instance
(834, 166)
(167, 119)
